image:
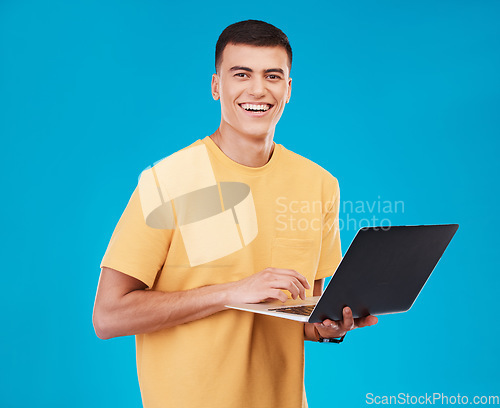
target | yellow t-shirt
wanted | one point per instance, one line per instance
(198, 218)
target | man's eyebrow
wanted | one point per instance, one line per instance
(267, 71)
(238, 68)
(275, 70)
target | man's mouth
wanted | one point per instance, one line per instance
(256, 107)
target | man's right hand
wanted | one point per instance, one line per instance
(268, 284)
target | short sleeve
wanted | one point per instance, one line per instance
(136, 249)
(331, 253)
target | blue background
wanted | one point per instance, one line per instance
(399, 100)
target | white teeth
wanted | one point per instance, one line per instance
(253, 107)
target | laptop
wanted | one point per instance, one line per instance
(382, 272)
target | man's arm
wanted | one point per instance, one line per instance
(330, 328)
(124, 306)
(309, 333)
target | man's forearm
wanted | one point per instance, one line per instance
(146, 311)
(309, 332)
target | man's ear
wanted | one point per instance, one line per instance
(215, 87)
(289, 90)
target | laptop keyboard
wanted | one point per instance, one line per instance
(298, 310)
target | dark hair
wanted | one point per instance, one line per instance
(252, 32)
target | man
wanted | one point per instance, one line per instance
(215, 224)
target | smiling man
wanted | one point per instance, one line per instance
(204, 229)
(253, 85)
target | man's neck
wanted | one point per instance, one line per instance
(243, 149)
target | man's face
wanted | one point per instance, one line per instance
(253, 85)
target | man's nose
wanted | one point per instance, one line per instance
(257, 87)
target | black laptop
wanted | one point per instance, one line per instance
(382, 272)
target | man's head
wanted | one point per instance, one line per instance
(252, 81)
(252, 32)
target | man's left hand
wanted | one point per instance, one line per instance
(333, 328)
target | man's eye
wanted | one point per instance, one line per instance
(240, 75)
(273, 77)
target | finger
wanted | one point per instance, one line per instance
(348, 322)
(291, 284)
(286, 284)
(329, 328)
(291, 272)
(302, 279)
(330, 324)
(366, 321)
(301, 288)
(277, 294)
